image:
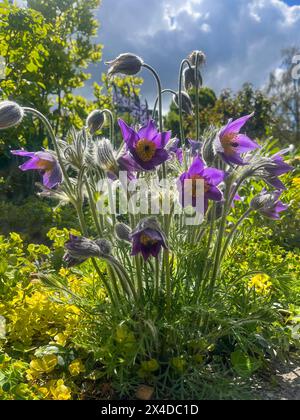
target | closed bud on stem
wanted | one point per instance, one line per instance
(105, 156)
(128, 64)
(186, 102)
(95, 121)
(11, 114)
(105, 247)
(123, 232)
(208, 149)
(189, 78)
(193, 58)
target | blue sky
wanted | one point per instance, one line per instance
(241, 38)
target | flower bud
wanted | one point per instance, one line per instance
(123, 232)
(208, 149)
(128, 64)
(186, 102)
(193, 58)
(264, 200)
(11, 114)
(80, 247)
(95, 121)
(105, 156)
(190, 79)
(105, 247)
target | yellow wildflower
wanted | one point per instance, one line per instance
(261, 284)
(40, 366)
(59, 390)
(61, 339)
(76, 367)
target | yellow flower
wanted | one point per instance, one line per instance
(150, 365)
(261, 284)
(178, 363)
(59, 390)
(296, 182)
(61, 339)
(44, 365)
(76, 367)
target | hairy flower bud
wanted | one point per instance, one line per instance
(208, 149)
(11, 114)
(128, 64)
(123, 232)
(105, 156)
(105, 247)
(264, 200)
(189, 78)
(186, 102)
(193, 58)
(95, 121)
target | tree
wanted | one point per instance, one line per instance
(285, 93)
(218, 110)
(46, 48)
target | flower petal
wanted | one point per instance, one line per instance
(233, 159)
(161, 139)
(23, 153)
(129, 135)
(31, 164)
(52, 178)
(214, 194)
(149, 131)
(213, 176)
(197, 166)
(245, 144)
(235, 126)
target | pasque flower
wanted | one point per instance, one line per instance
(210, 176)
(148, 238)
(128, 64)
(147, 146)
(95, 121)
(230, 144)
(45, 163)
(79, 249)
(268, 204)
(276, 168)
(11, 114)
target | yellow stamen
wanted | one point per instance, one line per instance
(147, 241)
(45, 165)
(229, 143)
(145, 149)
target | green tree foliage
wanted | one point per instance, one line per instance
(46, 48)
(285, 93)
(218, 110)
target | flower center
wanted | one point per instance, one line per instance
(194, 179)
(229, 143)
(45, 165)
(145, 149)
(147, 241)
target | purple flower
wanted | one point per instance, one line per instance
(195, 147)
(79, 249)
(147, 146)
(45, 163)
(148, 238)
(173, 148)
(230, 144)
(278, 168)
(212, 178)
(268, 204)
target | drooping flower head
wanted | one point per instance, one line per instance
(195, 147)
(11, 114)
(186, 102)
(95, 121)
(230, 144)
(45, 163)
(128, 64)
(210, 176)
(277, 168)
(268, 204)
(147, 146)
(80, 249)
(148, 238)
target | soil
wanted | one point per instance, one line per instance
(284, 385)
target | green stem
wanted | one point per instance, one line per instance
(197, 97)
(183, 63)
(230, 236)
(156, 101)
(51, 133)
(111, 126)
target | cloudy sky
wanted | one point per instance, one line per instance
(241, 38)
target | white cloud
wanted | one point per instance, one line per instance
(242, 38)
